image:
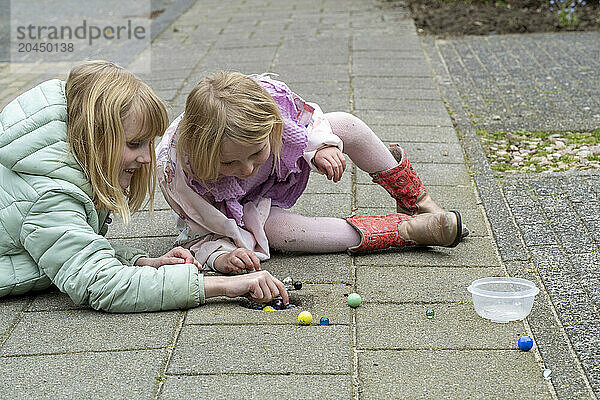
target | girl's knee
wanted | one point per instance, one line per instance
(342, 119)
(349, 128)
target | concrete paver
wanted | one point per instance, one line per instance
(95, 375)
(449, 374)
(264, 349)
(236, 387)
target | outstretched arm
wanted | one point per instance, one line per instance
(259, 286)
(81, 263)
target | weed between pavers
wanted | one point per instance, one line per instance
(524, 151)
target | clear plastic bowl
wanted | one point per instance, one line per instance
(502, 299)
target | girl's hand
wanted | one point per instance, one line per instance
(177, 255)
(238, 261)
(331, 162)
(259, 286)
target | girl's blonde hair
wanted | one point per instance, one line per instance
(225, 105)
(100, 95)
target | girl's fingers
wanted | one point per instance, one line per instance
(255, 261)
(256, 291)
(343, 159)
(273, 288)
(266, 291)
(282, 291)
(329, 169)
(248, 263)
(335, 165)
(237, 263)
(182, 253)
(244, 260)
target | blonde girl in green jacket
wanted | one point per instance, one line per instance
(70, 153)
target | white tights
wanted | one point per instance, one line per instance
(287, 231)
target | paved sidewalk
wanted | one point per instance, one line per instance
(360, 56)
(546, 225)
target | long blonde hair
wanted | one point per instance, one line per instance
(225, 105)
(99, 95)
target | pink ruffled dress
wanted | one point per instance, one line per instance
(216, 217)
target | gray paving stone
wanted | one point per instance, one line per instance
(442, 153)
(574, 308)
(320, 300)
(395, 94)
(257, 387)
(427, 284)
(331, 103)
(538, 235)
(588, 211)
(522, 198)
(154, 246)
(313, 268)
(528, 216)
(83, 330)
(390, 67)
(556, 271)
(567, 379)
(97, 375)
(453, 174)
(450, 374)
(510, 244)
(53, 300)
(431, 107)
(587, 343)
(319, 184)
(10, 310)
(418, 134)
(475, 251)
(586, 264)
(228, 56)
(450, 198)
(307, 90)
(454, 326)
(371, 117)
(378, 42)
(312, 72)
(575, 239)
(383, 82)
(256, 345)
(323, 205)
(496, 56)
(287, 54)
(159, 202)
(144, 223)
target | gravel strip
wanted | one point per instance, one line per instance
(522, 151)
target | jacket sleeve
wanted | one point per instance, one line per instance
(125, 254)
(83, 265)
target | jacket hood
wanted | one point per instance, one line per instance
(33, 135)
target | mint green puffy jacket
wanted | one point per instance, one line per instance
(50, 232)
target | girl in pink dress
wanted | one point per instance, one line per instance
(241, 154)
